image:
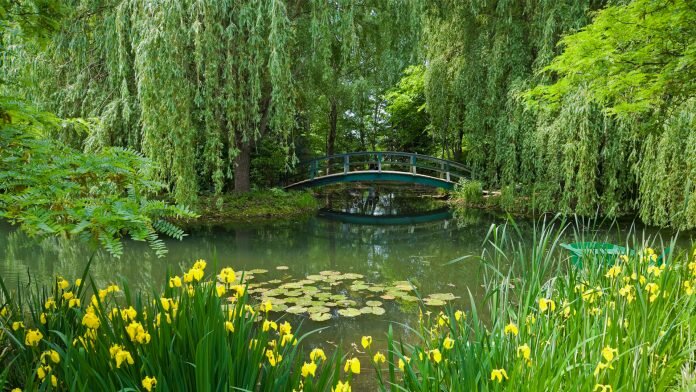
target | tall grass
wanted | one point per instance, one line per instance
(188, 336)
(547, 325)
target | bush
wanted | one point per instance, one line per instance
(469, 191)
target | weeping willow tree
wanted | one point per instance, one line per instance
(197, 84)
(357, 51)
(610, 129)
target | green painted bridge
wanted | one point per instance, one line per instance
(378, 166)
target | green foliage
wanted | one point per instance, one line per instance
(188, 337)
(50, 189)
(469, 192)
(257, 204)
(407, 114)
(633, 58)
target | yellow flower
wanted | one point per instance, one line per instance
(197, 274)
(68, 295)
(266, 306)
(448, 343)
(54, 381)
(120, 355)
(435, 355)
(688, 288)
(546, 304)
(112, 288)
(137, 333)
(654, 290)
(33, 337)
(655, 270)
(524, 351)
(459, 314)
(628, 292)
(199, 264)
(623, 258)
(50, 304)
(608, 353)
(353, 365)
(74, 302)
(530, 320)
(16, 390)
(601, 366)
(17, 325)
(443, 320)
(42, 371)
(603, 388)
(267, 325)
(129, 314)
(614, 272)
(512, 329)
(188, 277)
(366, 342)
(273, 359)
(148, 383)
(42, 318)
(316, 354)
(692, 266)
(175, 281)
(229, 326)
(402, 364)
(379, 358)
(285, 328)
(309, 369)
(78, 282)
(52, 355)
(288, 338)
(341, 387)
(220, 290)
(240, 289)
(227, 275)
(63, 284)
(592, 295)
(498, 374)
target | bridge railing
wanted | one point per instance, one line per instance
(387, 161)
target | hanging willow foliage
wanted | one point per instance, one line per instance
(196, 84)
(616, 131)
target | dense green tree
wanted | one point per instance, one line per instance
(408, 117)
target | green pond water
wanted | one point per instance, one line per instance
(371, 234)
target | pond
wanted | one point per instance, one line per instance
(366, 245)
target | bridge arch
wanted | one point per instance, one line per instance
(378, 166)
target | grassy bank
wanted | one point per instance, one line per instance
(255, 205)
(624, 322)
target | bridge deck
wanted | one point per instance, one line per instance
(380, 166)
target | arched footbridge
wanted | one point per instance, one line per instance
(400, 167)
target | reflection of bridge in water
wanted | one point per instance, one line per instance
(390, 220)
(379, 166)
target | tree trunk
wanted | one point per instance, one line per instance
(242, 168)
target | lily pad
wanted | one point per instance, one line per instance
(316, 278)
(434, 302)
(329, 273)
(258, 271)
(282, 268)
(376, 310)
(296, 309)
(387, 297)
(320, 316)
(318, 309)
(373, 303)
(349, 312)
(443, 296)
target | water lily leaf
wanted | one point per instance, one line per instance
(295, 293)
(316, 277)
(258, 271)
(304, 301)
(376, 289)
(275, 281)
(387, 297)
(434, 302)
(320, 316)
(443, 296)
(321, 296)
(329, 273)
(352, 276)
(338, 297)
(318, 309)
(373, 303)
(346, 303)
(279, 308)
(409, 298)
(330, 304)
(296, 309)
(349, 312)
(282, 268)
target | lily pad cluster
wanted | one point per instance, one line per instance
(330, 294)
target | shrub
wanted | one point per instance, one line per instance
(468, 191)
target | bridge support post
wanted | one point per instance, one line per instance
(447, 168)
(379, 161)
(313, 170)
(413, 164)
(346, 164)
